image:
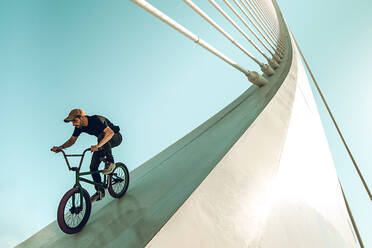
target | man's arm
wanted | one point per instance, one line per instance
(67, 144)
(108, 135)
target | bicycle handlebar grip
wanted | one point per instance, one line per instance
(58, 150)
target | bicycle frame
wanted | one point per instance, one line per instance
(78, 175)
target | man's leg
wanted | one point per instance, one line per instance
(113, 142)
(94, 164)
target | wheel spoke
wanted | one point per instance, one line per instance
(68, 217)
(118, 180)
(74, 219)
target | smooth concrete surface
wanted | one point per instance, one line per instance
(307, 202)
(230, 206)
(161, 185)
(276, 187)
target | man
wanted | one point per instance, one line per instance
(108, 136)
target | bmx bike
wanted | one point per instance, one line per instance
(75, 206)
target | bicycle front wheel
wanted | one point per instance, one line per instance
(118, 181)
(74, 210)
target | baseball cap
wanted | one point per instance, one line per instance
(73, 114)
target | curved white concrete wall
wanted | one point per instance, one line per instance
(276, 187)
(307, 209)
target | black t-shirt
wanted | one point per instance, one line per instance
(96, 125)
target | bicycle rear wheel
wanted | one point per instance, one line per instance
(118, 181)
(74, 210)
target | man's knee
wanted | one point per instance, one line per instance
(116, 140)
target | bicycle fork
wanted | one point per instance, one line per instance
(78, 185)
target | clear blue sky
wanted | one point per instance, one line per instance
(113, 58)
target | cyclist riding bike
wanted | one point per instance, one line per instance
(108, 136)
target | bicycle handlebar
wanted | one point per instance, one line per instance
(74, 155)
(61, 150)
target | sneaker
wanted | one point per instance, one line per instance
(109, 168)
(97, 196)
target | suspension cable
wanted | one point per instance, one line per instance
(253, 76)
(279, 48)
(269, 27)
(257, 28)
(268, 15)
(335, 123)
(246, 24)
(215, 25)
(264, 14)
(351, 217)
(259, 22)
(264, 17)
(237, 27)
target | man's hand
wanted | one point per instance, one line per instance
(56, 149)
(94, 148)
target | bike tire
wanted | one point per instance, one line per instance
(118, 181)
(62, 215)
